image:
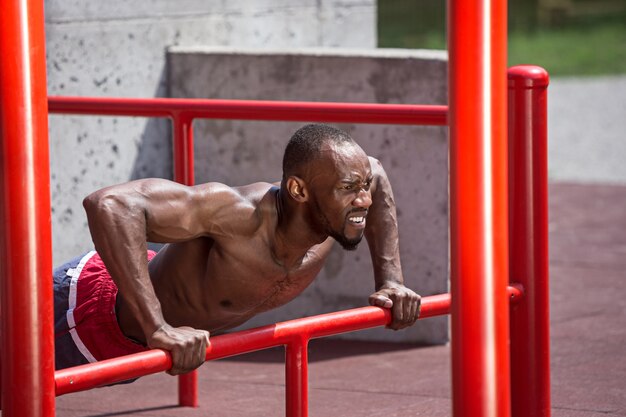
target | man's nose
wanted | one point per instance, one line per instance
(363, 199)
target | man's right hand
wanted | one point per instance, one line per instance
(186, 345)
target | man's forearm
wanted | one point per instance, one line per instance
(382, 231)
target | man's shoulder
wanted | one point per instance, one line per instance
(250, 194)
(218, 189)
(255, 193)
(243, 208)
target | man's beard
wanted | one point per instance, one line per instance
(345, 242)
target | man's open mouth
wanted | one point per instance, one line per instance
(357, 218)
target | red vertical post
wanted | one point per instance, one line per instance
(182, 155)
(477, 40)
(27, 345)
(188, 389)
(182, 149)
(528, 231)
(297, 378)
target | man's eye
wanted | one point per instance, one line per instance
(348, 187)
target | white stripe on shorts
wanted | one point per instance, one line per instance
(75, 273)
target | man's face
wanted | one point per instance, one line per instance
(340, 193)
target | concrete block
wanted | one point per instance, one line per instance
(240, 152)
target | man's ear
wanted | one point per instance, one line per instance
(297, 189)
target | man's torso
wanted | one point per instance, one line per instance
(217, 284)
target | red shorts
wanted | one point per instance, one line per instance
(91, 318)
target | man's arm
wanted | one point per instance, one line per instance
(122, 219)
(381, 232)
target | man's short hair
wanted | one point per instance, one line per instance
(306, 143)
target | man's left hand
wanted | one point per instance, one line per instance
(403, 302)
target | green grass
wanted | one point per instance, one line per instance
(584, 51)
(589, 46)
(411, 24)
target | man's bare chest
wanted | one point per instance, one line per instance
(250, 278)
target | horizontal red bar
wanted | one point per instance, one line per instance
(106, 372)
(84, 377)
(301, 111)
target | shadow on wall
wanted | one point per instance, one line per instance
(154, 152)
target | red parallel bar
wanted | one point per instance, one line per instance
(88, 376)
(528, 231)
(253, 110)
(26, 254)
(478, 207)
(133, 366)
(297, 377)
(296, 359)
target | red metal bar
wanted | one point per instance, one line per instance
(132, 366)
(183, 149)
(182, 155)
(528, 231)
(478, 207)
(106, 372)
(188, 389)
(297, 377)
(26, 294)
(254, 110)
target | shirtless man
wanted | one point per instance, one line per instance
(231, 253)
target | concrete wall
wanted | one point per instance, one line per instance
(586, 126)
(415, 158)
(117, 48)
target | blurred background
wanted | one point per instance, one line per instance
(567, 37)
(582, 44)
